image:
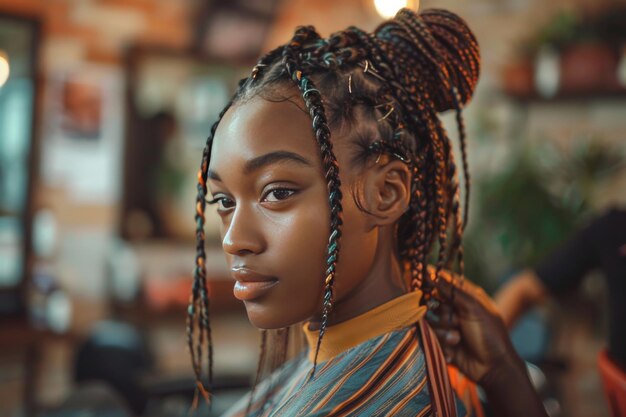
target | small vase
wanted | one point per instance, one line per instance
(547, 74)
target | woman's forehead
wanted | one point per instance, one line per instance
(258, 126)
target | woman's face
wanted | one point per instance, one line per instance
(266, 179)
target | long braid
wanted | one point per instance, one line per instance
(463, 146)
(419, 242)
(331, 167)
(456, 249)
(198, 309)
(313, 102)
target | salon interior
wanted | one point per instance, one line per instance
(104, 109)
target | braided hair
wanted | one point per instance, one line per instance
(385, 90)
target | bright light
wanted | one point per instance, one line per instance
(4, 68)
(389, 8)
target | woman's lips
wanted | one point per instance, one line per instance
(251, 290)
(250, 284)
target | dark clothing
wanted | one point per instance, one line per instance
(601, 245)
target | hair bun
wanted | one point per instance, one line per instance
(436, 55)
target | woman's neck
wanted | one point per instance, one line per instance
(384, 282)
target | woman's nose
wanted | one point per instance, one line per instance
(242, 235)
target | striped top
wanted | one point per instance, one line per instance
(383, 375)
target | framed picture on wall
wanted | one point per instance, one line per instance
(84, 133)
(81, 113)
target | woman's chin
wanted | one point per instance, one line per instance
(265, 318)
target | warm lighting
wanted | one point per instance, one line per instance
(4, 68)
(389, 8)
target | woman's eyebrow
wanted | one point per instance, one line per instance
(273, 157)
(213, 175)
(264, 160)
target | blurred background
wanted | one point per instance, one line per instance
(105, 106)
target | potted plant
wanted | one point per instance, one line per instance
(573, 55)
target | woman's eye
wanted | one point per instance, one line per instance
(223, 203)
(278, 194)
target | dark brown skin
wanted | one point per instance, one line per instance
(475, 339)
(275, 219)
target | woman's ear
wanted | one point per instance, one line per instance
(387, 190)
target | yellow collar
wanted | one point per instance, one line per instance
(395, 314)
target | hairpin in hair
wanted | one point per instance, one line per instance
(400, 157)
(380, 147)
(368, 68)
(387, 104)
(376, 147)
(350, 83)
(391, 110)
(256, 69)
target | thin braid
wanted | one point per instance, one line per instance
(313, 102)
(440, 205)
(417, 253)
(198, 309)
(456, 249)
(331, 167)
(462, 142)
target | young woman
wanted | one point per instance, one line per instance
(335, 181)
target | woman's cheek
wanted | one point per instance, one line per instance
(302, 241)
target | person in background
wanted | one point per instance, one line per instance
(601, 245)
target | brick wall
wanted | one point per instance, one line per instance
(98, 30)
